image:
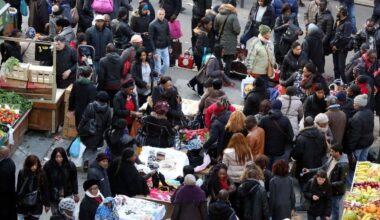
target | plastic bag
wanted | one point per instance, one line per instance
(75, 148)
(23, 8)
(246, 85)
(175, 29)
(79, 160)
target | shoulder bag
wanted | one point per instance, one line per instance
(219, 36)
(270, 72)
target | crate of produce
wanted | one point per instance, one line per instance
(13, 85)
(41, 74)
(19, 72)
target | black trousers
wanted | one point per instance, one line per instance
(194, 82)
(194, 24)
(228, 61)
(312, 217)
(339, 60)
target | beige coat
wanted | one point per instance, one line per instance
(258, 59)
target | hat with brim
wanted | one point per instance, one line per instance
(99, 18)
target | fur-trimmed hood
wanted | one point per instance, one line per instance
(227, 9)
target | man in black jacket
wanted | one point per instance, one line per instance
(325, 21)
(315, 103)
(122, 32)
(110, 70)
(199, 11)
(337, 170)
(369, 35)
(172, 8)
(360, 129)
(160, 41)
(7, 185)
(253, 99)
(339, 42)
(278, 134)
(66, 63)
(98, 36)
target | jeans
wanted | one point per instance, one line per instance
(361, 154)
(96, 67)
(163, 55)
(339, 60)
(351, 14)
(273, 159)
(336, 202)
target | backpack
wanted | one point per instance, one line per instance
(102, 6)
(128, 64)
(273, 94)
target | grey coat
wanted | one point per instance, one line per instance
(98, 173)
(282, 198)
(228, 39)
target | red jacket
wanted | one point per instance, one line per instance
(215, 109)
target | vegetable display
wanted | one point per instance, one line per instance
(363, 202)
(14, 101)
(8, 66)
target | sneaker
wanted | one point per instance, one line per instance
(191, 87)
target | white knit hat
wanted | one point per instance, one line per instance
(361, 100)
(321, 118)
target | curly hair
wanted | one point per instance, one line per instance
(252, 171)
(280, 168)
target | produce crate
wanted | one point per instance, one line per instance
(39, 88)
(41, 74)
(13, 85)
(19, 72)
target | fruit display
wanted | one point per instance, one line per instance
(8, 115)
(363, 202)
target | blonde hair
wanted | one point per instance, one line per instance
(251, 170)
(242, 151)
(236, 122)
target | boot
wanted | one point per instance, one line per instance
(155, 180)
(163, 182)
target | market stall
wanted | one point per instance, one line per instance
(37, 83)
(136, 208)
(363, 201)
(190, 107)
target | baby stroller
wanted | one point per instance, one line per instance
(85, 54)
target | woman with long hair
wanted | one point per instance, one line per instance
(142, 72)
(236, 155)
(235, 124)
(203, 46)
(281, 193)
(217, 180)
(32, 189)
(62, 178)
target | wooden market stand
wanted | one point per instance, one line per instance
(47, 109)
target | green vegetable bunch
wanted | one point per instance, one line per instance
(15, 101)
(11, 62)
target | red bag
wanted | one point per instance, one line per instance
(128, 64)
(186, 60)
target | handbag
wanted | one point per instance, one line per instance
(23, 8)
(270, 72)
(175, 29)
(202, 75)
(30, 199)
(74, 16)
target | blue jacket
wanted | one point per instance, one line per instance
(277, 5)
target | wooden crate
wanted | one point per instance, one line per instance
(41, 74)
(69, 120)
(39, 88)
(19, 73)
(67, 93)
(13, 85)
(69, 132)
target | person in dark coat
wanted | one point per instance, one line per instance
(117, 139)
(110, 71)
(255, 19)
(315, 103)
(30, 179)
(122, 32)
(152, 13)
(190, 201)
(66, 61)
(99, 36)
(38, 15)
(125, 105)
(7, 185)
(293, 61)
(98, 171)
(92, 199)
(82, 93)
(278, 133)
(86, 15)
(325, 21)
(139, 23)
(11, 48)
(199, 11)
(339, 42)
(142, 71)
(360, 129)
(281, 192)
(124, 177)
(172, 8)
(310, 149)
(165, 91)
(158, 129)
(221, 209)
(318, 192)
(96, 119)
(252, 198)
(368, 35)
(313, 47)
(254, 97)
(62, 178)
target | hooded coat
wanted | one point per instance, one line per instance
(260, 54)
(122, 33)
(278, 133)
(253, 99)
(228, 39)
(282, 197)
(190, 203)
(313, 48)
(82, 93)
(101, 112)
(221, 210)
(252, 200)
(99, 38)
(293, 109)
(309, 151)
(292, 63)
(322, 206)
(96, 172)
(360, 130)
(110, 71)
(313, 106)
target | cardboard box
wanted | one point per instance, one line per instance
(69, 120)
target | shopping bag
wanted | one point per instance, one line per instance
(246, 85)
(23, 8)
(79, 160)
(136, 125)
(175, 29)
(75, 148)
